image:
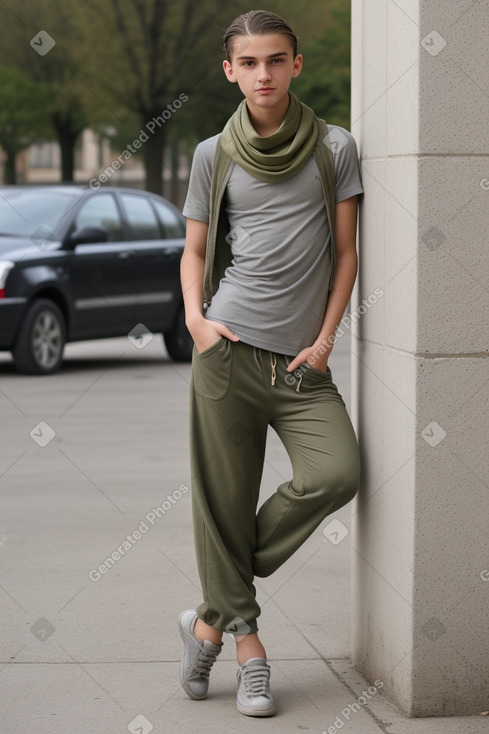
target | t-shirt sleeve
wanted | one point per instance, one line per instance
(345, 156)
(199, 187)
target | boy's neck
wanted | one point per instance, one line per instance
(267, 120)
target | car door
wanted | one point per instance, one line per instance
(104, 292)
(158, 259)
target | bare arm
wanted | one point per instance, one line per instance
(204, 332)
(344, 278)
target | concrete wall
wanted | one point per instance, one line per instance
(420, 369)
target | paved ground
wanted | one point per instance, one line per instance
(96, 455)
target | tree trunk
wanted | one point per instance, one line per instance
(9, 172)
(153, 158)
(68, 130)
(67, 144)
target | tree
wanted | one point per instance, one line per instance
(50, 59)
(324, 83)
(153, 63)
(66, 108)
(23, 116)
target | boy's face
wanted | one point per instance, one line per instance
(263, 67)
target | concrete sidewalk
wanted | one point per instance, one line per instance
(94, 464)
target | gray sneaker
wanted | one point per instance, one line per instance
(254, 697)
(198, 657)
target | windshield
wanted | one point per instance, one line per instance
(23, 213)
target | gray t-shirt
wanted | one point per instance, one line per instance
(274, 294)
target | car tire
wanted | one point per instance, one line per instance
(178, 341)
(39, 346)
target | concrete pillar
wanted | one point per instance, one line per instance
(420, 527)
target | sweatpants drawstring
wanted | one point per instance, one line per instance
(273, 362)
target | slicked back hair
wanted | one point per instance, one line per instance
(257, 23)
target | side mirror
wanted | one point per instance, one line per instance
(89, 235)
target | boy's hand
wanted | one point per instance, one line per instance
(205, 333)
(312, 356)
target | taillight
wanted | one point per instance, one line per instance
(5, 268)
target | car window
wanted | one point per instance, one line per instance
(101, 211)
(172, 226)
(143, 224)
(29, 212)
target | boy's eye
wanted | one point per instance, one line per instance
(274, 62)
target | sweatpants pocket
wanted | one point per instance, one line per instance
(211, 370)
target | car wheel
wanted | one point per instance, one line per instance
(178, 341)
(40, 343)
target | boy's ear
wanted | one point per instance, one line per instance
(297, 66)
(228, 70)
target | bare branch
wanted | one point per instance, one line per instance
(123, 29)
(156, 35)
(139, 6)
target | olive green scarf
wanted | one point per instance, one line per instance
(279, 156)
(275, 158)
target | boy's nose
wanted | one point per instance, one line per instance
(264, 73)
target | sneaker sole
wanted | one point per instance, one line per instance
(253, 712)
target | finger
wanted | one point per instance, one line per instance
(229, 334)
(296, 362)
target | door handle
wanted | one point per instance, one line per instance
(125, 255)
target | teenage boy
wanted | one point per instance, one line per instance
(267, 272)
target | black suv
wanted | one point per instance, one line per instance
(80, 264)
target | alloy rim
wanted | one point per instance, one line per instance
(47, 339)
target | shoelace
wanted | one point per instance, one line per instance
(205, 661)
(256, 680)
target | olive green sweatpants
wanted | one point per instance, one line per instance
(237, 391)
